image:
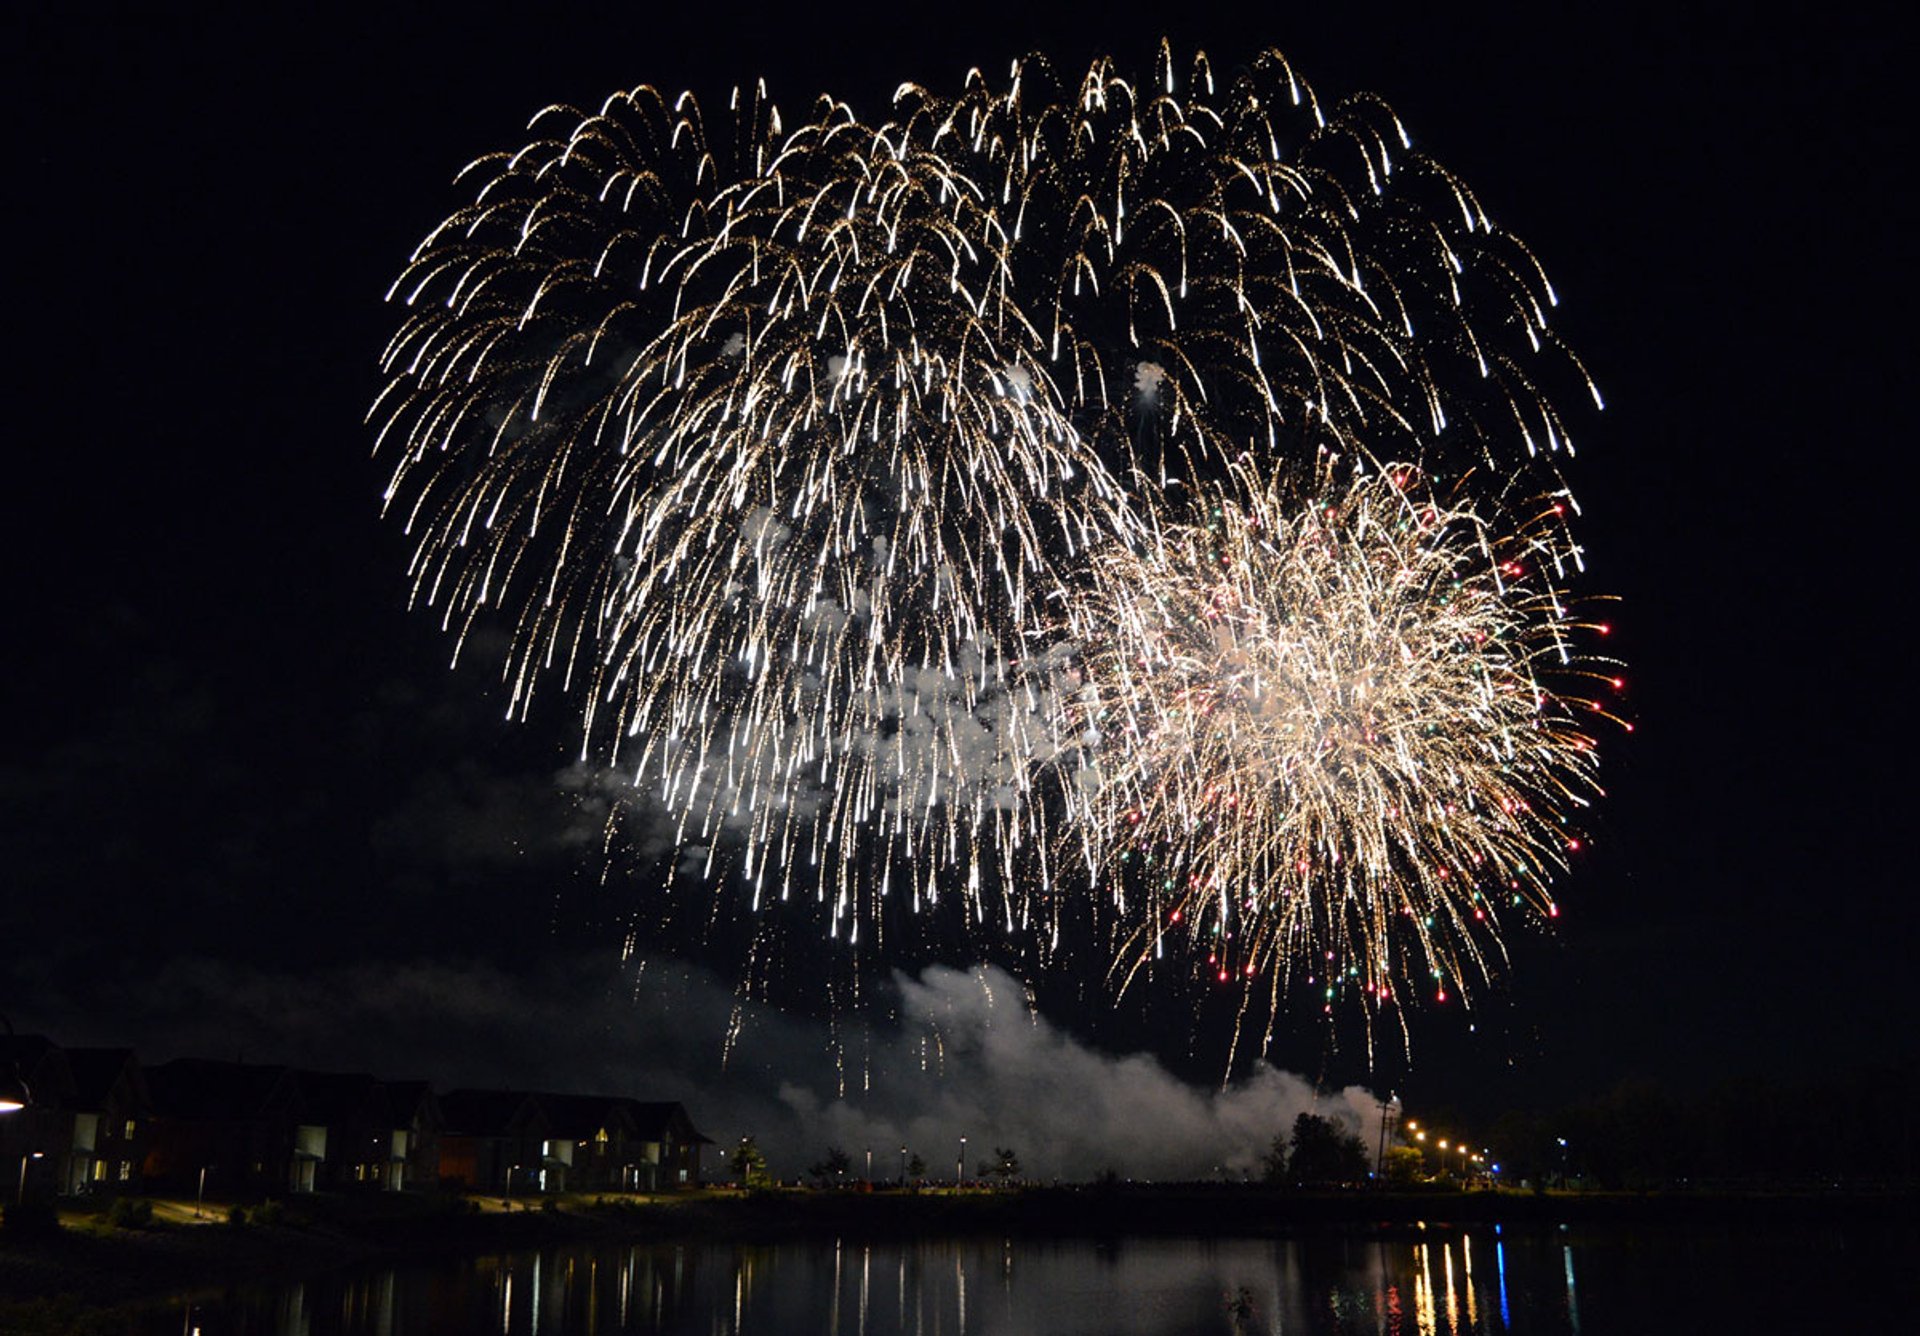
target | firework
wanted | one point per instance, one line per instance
(1222, 266)
(1337, 729)
(758, 459)
(836, 470)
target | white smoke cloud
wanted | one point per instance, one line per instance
(971, 1058)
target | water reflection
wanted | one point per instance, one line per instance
(1421, 1282)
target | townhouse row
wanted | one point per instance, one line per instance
(97, 1120)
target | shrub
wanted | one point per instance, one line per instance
(236, 1215)
(130, 1213)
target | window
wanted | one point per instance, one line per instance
(99, 1171)
(130, 1127)
(126, 1171)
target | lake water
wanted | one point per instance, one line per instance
(1433, 1281)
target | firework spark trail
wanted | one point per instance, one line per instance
(813, 458)
(1218, 267)
(1340, 729)
(799, 472)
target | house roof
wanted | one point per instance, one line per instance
(487, 1112)
(654, 1121)
(96, 1071)
(340, 1099)
(206, 1090)
(407, 1100)
(42, 1064)
(578, 1117)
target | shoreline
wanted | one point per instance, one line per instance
(81, 1274)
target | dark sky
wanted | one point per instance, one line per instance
(239, 780)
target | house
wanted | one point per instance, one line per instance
(413, 1145)
(591, 1143)
(36, 1142)
(494, 1141)
(230, 1129)
(668, 1145)
(112, 1119)
(349, 1112)
(528, 1141)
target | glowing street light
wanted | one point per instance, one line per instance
(14, 1094)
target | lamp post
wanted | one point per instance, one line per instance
(14, 1093)
(25, 1159)
(903, 1166)
(960, 1166)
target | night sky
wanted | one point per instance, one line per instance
(248, 809)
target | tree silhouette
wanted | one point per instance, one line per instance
(833, 1169)
(1273, 1165)
(1004, 1165)
(748, 1163)
(1323, 1155)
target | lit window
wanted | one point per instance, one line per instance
(99, 1171)
(130, 1126)
(126, 1170)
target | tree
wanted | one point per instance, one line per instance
(1004, 1165)
(833, 1169)
(916, 1167)
(1404, 1166)
(1325, 1156)
(749, 1164)
(1273, 1165)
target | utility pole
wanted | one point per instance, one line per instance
(1380, 1155)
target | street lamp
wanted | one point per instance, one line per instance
(903, 1166)
(960, 1165)
(30, 1156)
(14, 1093)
